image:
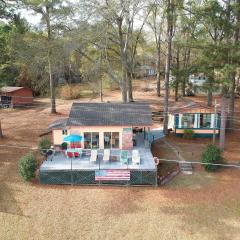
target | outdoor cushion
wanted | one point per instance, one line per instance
(76, 154)
(69, 154)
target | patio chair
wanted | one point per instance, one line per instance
(106, 155)
(78, 145)
(93, 157)
(69, 154)
(135, 157)
(124, 157)
(76, 154)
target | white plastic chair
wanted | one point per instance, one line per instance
(106, 155)
(93, 157)
(135, 157)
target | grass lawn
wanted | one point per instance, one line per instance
(202, 206)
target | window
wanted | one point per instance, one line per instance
(87, 140)
(64, 132)
(111, 140)
(188, 120)
(205, 120)
(115, 140)
(95, 140)
(91, 140)
(107, 140)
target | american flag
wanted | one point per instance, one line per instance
(101, 175)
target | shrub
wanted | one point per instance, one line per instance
(64, 146)
(43, 145)
(188, 134)
(211, 155)
(27, 166)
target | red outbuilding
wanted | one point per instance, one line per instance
(16, 96)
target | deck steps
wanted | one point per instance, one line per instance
(186, 167)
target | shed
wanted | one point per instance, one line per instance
(16, 96)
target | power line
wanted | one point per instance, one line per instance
(196, 162)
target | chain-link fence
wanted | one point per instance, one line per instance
(89, 177)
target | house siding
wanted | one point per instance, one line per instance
(58, 136)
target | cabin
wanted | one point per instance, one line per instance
(101, 143)
(199, 118)
(103, 125)
(15, 96)
(197, 80)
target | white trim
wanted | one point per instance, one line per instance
(212, 121)
(180, 121)
(195, 125)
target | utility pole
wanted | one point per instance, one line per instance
(215, 121)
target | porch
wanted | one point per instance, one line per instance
(59, 169)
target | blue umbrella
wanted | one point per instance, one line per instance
(72, 138)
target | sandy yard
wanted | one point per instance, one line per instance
(200, 206)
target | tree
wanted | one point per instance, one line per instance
(170, 22)
(52, 13)
(155, 21)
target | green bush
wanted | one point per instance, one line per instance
(43, 145)
(188, 134)
(64, 145)
(212, 155)
(27, 166)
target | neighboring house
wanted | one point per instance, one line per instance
(103, 125)
(146, 71)
(197, 80)
(15, 96)
(201, 119)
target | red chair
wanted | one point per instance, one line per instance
(78, 145)
(72, 145)
(70, 154)
(76, 154)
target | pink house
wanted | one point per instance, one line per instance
(103, 125)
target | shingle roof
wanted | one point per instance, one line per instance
(60, 123)
(193, 108)
(107, 114)
(10, 89)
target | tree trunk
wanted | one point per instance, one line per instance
(233, 87)
(158, 70)
(1, 133)
(52, 87)
(177, 74)
(124, 87)
(129, 87)
(232, 104)
(124, 81)
(209, 97)
(223, 123)
(168, 64)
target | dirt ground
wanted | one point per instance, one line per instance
(199, 206)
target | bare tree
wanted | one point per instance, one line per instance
(155, 21)
(170, 11)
